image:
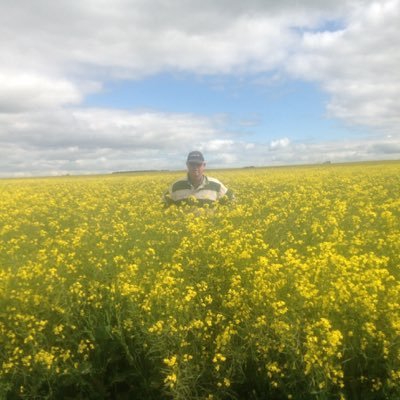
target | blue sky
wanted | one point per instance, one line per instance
(96, 87)
(289, 108)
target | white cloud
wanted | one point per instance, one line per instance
(98, 128)
(25, 91)
(98, 141)
(358, 65)
(217, 145)
(135, 38)
(280, 143)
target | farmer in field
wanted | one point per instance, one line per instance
(197, 188)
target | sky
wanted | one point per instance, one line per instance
(99, 86)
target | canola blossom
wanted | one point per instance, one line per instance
(290, 292)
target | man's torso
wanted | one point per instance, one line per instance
(210, 190)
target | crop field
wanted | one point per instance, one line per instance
(291, 292)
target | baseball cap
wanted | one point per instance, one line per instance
(195, 157)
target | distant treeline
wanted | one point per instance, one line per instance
(140, 171)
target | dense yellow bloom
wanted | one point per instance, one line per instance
(298, 281)
(170, 362)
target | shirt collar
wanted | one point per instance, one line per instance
(202, 184)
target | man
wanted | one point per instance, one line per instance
(197, 187)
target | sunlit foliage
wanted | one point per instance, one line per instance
(292, 292)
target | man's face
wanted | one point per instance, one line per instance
(195, 171)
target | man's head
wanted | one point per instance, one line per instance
(195, 164)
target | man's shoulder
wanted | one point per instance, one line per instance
(180, 184)
(218, 186)
(211, 179)
(214, 182)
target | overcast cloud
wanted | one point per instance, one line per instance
(55, 53)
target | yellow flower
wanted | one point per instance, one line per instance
(170, 362)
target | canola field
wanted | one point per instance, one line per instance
(292, 292)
